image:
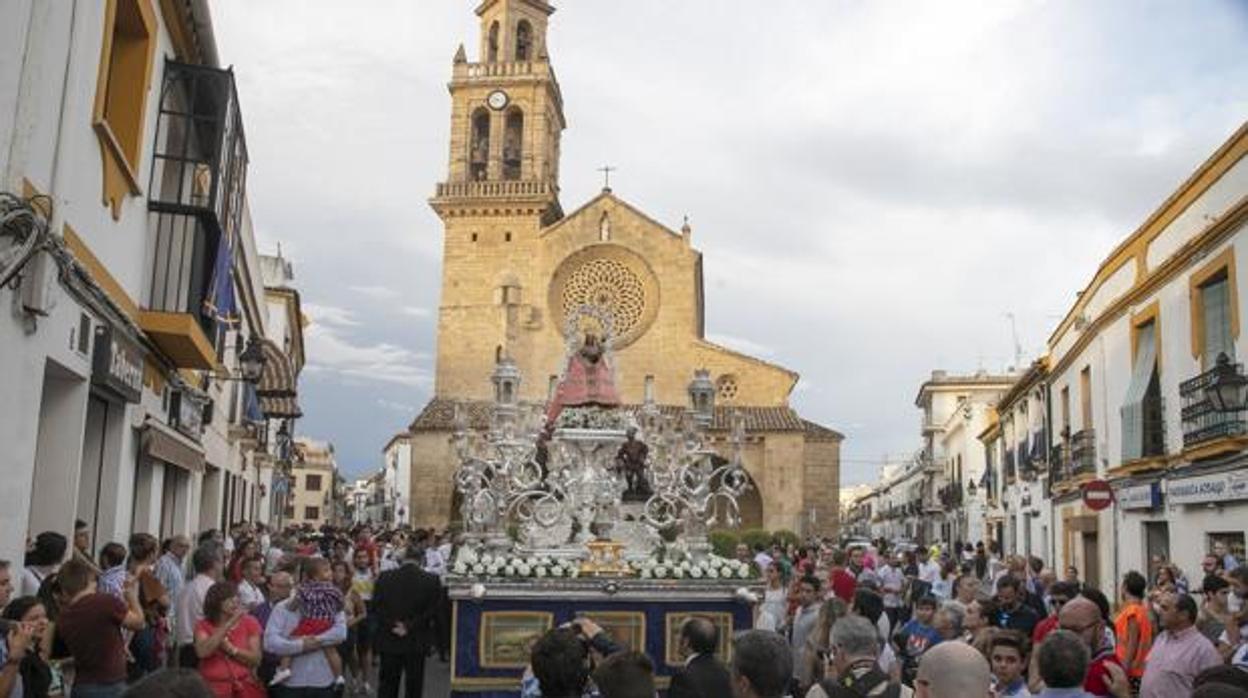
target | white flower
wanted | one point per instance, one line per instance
(460, 568)
(556, 571)
(541, 571)
(509, 570)
(696, 573)
(478, 568)
(678, 572)
(712, 574)
(574, 572)
(487, 559)
(646, 574)
(660, 572)
(743, 572)
(468, 555)
(492, 570)
(523, 570)
(684, 564)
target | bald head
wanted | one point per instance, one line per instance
(1082, 617)
(280, 586)
(1079, 610)
(953, 670)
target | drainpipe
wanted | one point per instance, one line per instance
(1113, 511)
(1050, 547)
(58, 172)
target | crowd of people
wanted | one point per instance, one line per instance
(246, 613)
(946, 622)
(307, 613)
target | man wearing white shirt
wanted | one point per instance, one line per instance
(310, 673)
(206, 562)
(761, 559)
(434, 563)
(891, 581)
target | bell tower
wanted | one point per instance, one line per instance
(506, 109)
(501, 189)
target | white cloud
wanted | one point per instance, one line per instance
(872, 185)
(381, 293)
(331, 352)
(401, 407)
(330, 315)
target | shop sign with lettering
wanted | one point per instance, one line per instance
(1208, 489)
(117, 364)
(1139, 496)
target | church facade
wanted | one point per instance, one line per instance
(516, 267)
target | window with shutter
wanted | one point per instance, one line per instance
(1216, 305)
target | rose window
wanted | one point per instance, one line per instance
(726, 388)
(612, 279)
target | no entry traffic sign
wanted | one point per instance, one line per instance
(1098, 495)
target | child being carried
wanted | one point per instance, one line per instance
(319, 602)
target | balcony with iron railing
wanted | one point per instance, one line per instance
(1083, 452)
(1203, 422)
(197, 193)
(1058, 463)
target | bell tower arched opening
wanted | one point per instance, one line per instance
(524, 41)
(479, 146)
(491, 46)
(513, 144)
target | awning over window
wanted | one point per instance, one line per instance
(1133, 404)
(276, 389)
(162, 443)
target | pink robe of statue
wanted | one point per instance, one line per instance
(584, 383)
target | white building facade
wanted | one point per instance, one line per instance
(1132, 365)
(397, 485)
(121, 339)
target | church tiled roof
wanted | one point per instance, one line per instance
(439, 415)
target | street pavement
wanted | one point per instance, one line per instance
(437, 679)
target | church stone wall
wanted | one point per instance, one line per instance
(433, 471)
(822, 485)
(757, 382)
(472, 322)
(781, 483)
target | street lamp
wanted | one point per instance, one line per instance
(702, 397)
(251, 361)
(1228, 390)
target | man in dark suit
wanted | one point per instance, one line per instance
(405, 601)
(704, 675)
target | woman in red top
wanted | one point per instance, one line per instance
(227, 642)
(246, 549)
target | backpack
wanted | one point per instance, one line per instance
(874, 683)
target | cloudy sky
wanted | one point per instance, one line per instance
(875, 185)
